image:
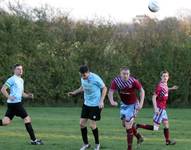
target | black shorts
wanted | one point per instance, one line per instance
(92, 113)
(15, 109)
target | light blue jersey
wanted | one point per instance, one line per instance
(16, 86)
(92, 89)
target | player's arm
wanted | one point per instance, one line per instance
(75, 92)
(110, 96)
(27, 95)
(5, 92)
(139, 87)
(142, 97)
(154, 97)
(173, 88)
(112, 89)
(103, 94)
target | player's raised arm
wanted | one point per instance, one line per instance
(175, 87)
(75, 92)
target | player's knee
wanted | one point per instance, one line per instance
(123, 123)
(82, 125)
(156, 128)
(27, 119)
(93, 126)
(128, 125)
(166, 124)
(6, 121)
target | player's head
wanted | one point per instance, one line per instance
(125, 73)
(164, 76)
(84, 71)
(18, 69)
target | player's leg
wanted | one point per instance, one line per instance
(9, 115)
(157, 119)
(127, 117)
(135, 131)
(29, 128)
(137, 134)
(21, 112)
(166, 130)
(84, 133)
(5, 121)
(129, 130)
(145, 126)
(95, 115)
(95, 133)
(83, 127)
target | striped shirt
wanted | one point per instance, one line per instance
(126, 89)
(161, 91)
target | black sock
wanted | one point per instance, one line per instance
(96, 135)
(84, 132)
(30, 131)
(1, 123)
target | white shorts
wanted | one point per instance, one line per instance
(162, 116)
(128, 112)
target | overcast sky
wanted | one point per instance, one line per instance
(116, 10)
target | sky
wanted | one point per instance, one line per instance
(115, 10)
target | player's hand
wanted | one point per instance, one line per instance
(113, 103)
(12, 98)
(139, 107)
(175, 87)
(71, 94)
(31, 95)
(101, 105)
(157, 111)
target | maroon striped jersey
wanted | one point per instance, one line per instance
(126, 89)
(161, 91)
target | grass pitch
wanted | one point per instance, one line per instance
(59, 129)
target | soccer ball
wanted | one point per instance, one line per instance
(154, 5)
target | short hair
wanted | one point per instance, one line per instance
(16, 65)
(164, 71)
(124, 68)
(84, 69)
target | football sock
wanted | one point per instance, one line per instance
(136, 133)
(30, 131)
(1, 123)
(84, 133)
(167, 134)
(145, 126)
(129, 138)
(96, 135)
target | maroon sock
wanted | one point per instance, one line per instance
(167, 134)
(136, 133)
(130, 138)
(145, 126)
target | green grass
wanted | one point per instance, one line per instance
(59, 129)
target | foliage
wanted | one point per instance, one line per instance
(52, 47)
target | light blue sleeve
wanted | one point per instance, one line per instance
(9, 82)
(99, 82)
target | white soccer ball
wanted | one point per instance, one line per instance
(154, 5)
